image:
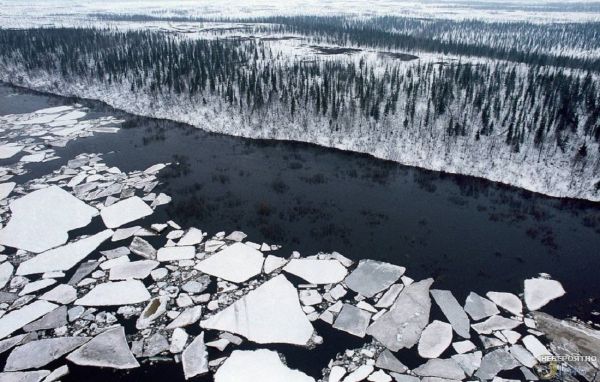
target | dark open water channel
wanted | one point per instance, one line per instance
(469, 234)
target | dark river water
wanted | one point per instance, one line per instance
(467, 233)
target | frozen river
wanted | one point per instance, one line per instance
(468, 234)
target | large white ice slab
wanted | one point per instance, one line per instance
(6, 189)
(124, 212)
(539, 292)
(317, 271)
(269, 314)
(115, 293)
(36, 354)
(133, 270)
(9, 150)
(16, 319)
(258, 365)
(65, 257)
(42, 219)
(236, 263)
(176, 253)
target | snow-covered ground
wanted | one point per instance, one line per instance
(514, 10)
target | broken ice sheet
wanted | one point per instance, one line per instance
(402, 325)
(269, 314)
(42, 219)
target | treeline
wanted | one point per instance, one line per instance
(541, 105)
(573, 45)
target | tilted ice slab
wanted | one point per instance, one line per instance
(65, 257)
(125, 211)
(402, 325)
(37, 354)
(269, 314)
(317, 271)
(436, 338)
(6, 189)
(115, 293)
(9, 150)
(107, 349)
(258, 365)
(16, 319)
(133, 270)
(195, 358)
(539, 292)
(480, 307)
(42, 219)
(371, 277)
(453, 312)
(236, 263)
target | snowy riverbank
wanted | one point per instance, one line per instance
(550, 172)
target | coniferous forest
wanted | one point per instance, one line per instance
(419, 92)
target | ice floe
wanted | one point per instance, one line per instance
(42, 219)
(115, 293)
(65, 257)
(539, 292)
(236, 263)
(435, 339)
(258, 365)
(269, 314)
(125, 211)
(195, 358)
(371, 277)
(37, 354)
(108, 349)
(317, 271)
(16, 319)
(402, 325)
